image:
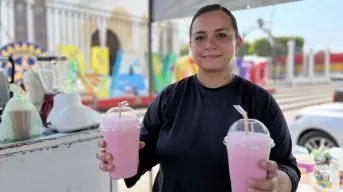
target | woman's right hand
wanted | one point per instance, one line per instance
(106, 158)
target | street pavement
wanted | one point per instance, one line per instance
(290, 99)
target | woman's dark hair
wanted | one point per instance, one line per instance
(214, 7)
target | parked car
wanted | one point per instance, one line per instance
(338, 95)
(318, 127)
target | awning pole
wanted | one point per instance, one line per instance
(150, 20)
(151, 83)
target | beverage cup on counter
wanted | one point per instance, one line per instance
(21, 123)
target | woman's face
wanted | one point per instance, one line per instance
(213, 41)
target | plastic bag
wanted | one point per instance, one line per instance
(20, 118)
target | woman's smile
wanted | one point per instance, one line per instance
(211, 57)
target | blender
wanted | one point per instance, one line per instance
(52, 71)
(62, 109)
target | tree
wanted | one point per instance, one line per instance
(299, 42)
(247, 48)
(184, 50)
(262, 46)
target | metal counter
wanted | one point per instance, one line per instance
(55, 163)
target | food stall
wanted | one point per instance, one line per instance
(49, 146)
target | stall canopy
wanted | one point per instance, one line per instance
(172, 9)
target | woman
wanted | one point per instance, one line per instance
(183, 129)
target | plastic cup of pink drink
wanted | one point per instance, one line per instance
(121, 134)
(245, 152)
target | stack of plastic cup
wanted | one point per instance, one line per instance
(246, 149)
(121, 127)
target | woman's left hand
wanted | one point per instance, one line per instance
(270, 184)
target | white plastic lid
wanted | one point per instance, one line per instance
(254, 126)
(257, 134)
(120, 118)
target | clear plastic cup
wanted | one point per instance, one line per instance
(21, 123)
(246, 151)
(120, 127)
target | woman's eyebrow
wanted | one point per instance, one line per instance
(216, 30)
(222, 29)
(199, 32)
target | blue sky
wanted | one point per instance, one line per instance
(318, 21)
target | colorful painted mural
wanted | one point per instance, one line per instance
(163, 70)
(100, 63)
(127, 78)
(23, 53)
(73, 54)
(95, 83)
(185, 67)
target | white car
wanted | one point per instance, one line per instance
(318, 127)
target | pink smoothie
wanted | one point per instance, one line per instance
(245, 153)
(122, 141)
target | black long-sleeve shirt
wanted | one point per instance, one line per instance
(183, 130)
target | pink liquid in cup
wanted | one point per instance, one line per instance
(122, 142)
(244, 154)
